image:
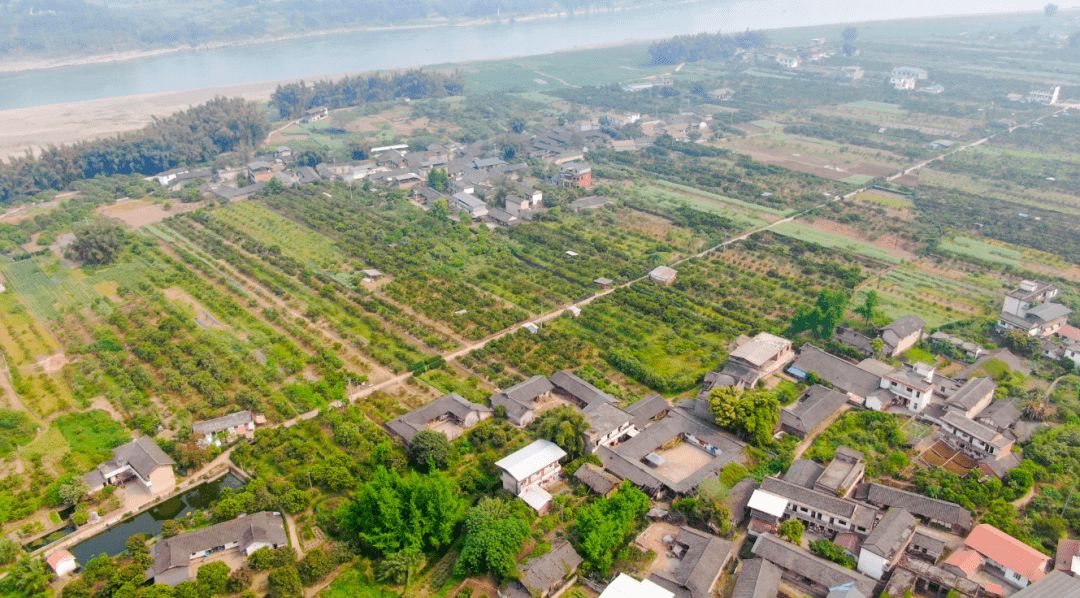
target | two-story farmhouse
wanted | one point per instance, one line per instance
(525, 472)
(140, 461)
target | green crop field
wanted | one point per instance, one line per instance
(982, 250)
(669, 198)
(728, 200)
(875, 107)
(273, 229)
(43, 294)
(889, 201)
(765, 124)
(91, 435)
(825, 239)
(857, 179)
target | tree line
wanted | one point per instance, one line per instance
(193, 136)
(704, 46)
(293, 99)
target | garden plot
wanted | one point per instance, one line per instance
(271, 228)
(670, 198)
(44, 294)
(813, 233)
(812, 157)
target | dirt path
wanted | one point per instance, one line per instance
(805, 443)
(1025, 499)
(294, 535)
(555, 78)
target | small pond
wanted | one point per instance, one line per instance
(112, 540)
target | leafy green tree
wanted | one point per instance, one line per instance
(722, 402)
(565, 427)
(438, 179)
(284, 582)
(792, 531)
(604, 525)
(9, 551)
(834, 553)
(430, 448)
(870, 303)
(392, 513)
(878, 346)
(212, 578)
(73, 491)
(1050, 9)
(758, 413)
(493, 538)
(517, 125)
(30, 577)
(440, 209)
(400, 566)
(1021, 342)
(264, 559)
(97, 243)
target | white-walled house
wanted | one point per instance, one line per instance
(525, 472)
(62, 562)
(913, 388)
(174, 558)
(886, 543)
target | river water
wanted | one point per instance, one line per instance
(112, 541)
(317, 56)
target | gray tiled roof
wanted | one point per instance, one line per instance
(804, 472)
(543, 574)
(1000, 414)
(143, 455)
(412, 423)
(900, 329)
(891, 534)
(814, 407)
(176, 551)
(842, 374)
(213, 426)
(792, 558)
(605, 418)
(520, 398)
(758, 579)
(1058, 584)
(973, 391)
(646, 409)
(818, 500)
(939, 510)
(1048, 312)
(569, 383)
(701, 563)
(976, 430)
(598, 480)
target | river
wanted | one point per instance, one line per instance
(113, 540)
(317, 56)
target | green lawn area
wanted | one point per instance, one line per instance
(765, 124)
(916, 354)
(91, 435)
(984, 251)
(698, 201)
(353, 584)
(728, 200)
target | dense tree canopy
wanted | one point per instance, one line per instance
(604, 526)
(565, 427)
(294, 99)
(493, 537)
(392, 513)
(97, 243)
(193, 136)
(430, 448)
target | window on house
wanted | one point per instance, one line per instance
(1016, 576)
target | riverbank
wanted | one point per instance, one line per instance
(18, 65)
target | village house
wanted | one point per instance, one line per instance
(701, 559)
(721, 94)
(1058, 584)
(597, 480)
(850, 74)
(808, 572)
(750, 361)
(177, 558)
(814, 408)
(1029, 309)
(902, 83)
(926, 547)
(61, 562)
(988, 546)
(241, 423)
(1047, 94)
(607, 425)
(450, 414)
(663, 275)
(260, 171)
(778, 500)
(788, 62)
(841, 374)
(545, 575)
(315, 114)
(625, 586)
(973, 397)
(522, 399)
(843, 474)
(472, 205)
(570, 386)
(909, 386)
(901, 335)
(525, 472)
(141, 461)
(975, 439)
(886, 544)
(910, 72)
(574, 175)
(933, 511)
(758, 578)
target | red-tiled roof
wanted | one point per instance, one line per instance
(966, 560)
(1008, 551)
(1069, 332)
(58, 556)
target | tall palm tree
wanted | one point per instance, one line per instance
(31, 577)
(400, 566)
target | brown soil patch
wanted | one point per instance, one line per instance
(136, 212)
(893, 245)
(53, 363)
(104, 404)
(908, 180)
(201, 314)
